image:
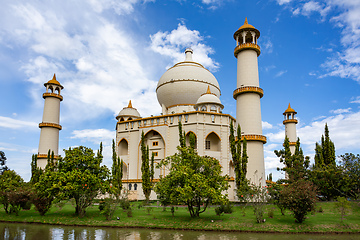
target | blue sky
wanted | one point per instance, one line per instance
(106, 52)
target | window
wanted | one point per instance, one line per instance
(156, 143)
(165, 119)
(135, 186)
(129, 186)
(213, 108)
(152, 121)
(180, 118)
(203, 108)
(207, 145)
(156, 154)
(186, 118)
(126, 126)
(158, 121)
(155, 133)
(213, 118)
(132, 125)
(171, 120)
(144, 122)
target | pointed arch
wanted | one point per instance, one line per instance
(123, 147)
(212, 142)
(188, 138)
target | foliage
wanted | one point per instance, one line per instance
(351, 167)
(258, 196)
(18, 198)
(147, 174)
(3, 166)
(343, 206)
(81, 177)
(240, 160)
(325, 151)
(300, 198)
(9, 181)
(108, 207)
(274, 189)
(35, 170)
(295, 165)
(117, 173)
(224, 208)
(193, 180)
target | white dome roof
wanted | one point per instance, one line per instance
(128, 111)
(184, 83)
(209, 98)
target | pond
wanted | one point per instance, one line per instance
(16, 231)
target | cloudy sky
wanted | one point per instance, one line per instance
(106, 52)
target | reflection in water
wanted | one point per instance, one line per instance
(12, 231)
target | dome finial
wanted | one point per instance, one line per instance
(246, 21)
(188, 54)
(208, 90)
(54, 77)
(130, 105)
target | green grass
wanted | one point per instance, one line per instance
(325, 222)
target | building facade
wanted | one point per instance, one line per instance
(189, 93)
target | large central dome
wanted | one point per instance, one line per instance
(184, 83)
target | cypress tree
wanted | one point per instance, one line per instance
(145, 169)
(325, 153)
(117, 172)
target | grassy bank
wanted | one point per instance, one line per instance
(327, 221)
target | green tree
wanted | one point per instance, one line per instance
(35, 170)
(82, 177)
(240, 160)
(325, 151)
(300, 198)
(3, 166)
(295, 165)
(350, 164)
(146, 173)
(343, 206)
(193, 180)
(9, 181)
(117, 173)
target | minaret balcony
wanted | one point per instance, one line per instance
(44, 156)
(45, 95)
(254, 137)
(245, 46)
(290, 121)
(54, 125)
(248, 89)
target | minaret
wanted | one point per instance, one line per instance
(50, 127)
(290, 122)
(247, 95)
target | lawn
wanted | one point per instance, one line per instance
(322, 222)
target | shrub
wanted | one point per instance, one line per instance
(125, 203)
(300, 198)
(224, 208)
(343, 206)
(18, 198)
(108, 207)
(42, 203)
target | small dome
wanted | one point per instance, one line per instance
(184, 83)
(247, 26)
(128, 111)
(209, 98)
(289, 110)
(54, 81)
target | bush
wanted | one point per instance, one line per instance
(108, 207)
(18, 198)
(300, 198)
(42, 203)
(125, 203)
(343, 206)
(224, 208)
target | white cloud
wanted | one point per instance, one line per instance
(346, 62)
(355, 100)
(340, 111)
(281, 2)
(12, 123)
(174, 43)
(94, 135)
(266, 125)
(280, 73)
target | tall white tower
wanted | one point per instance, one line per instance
(247, 95)
(290, 122)
(50, 127)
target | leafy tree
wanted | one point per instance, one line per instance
(258, 196)
(300, 198)
(325, 152)
(3, 166)
(9, 181)
(35, 170)
(81, 176)
(295, 165)
(147, 174)
(274, 189)
(240, 160)
(343, 206)
(18, 198)
(117, 173)
(193, 180)
(351, 168)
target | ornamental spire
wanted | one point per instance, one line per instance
(130, 105)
